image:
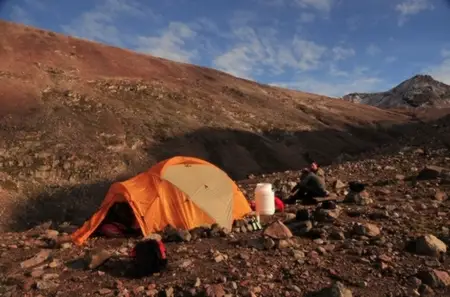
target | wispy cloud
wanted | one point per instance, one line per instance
(322, 6)
(99, 24)
(409, 8)
(373, 50)
(170, 44)
(338, 82)
(390, 59)
(341, 53)
(253, 53)
(441, 71)
(337, 89)
(306, 17)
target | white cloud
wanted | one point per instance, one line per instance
(170, 44)
(390, 59)
(335, 71)
(373, 50)
(411, 7)
(320, 5)
(445, 53)
(99, 24)
(441, 71)
(254, 53)
(341, 53)
(306, 17)
(339, 82)
(323, 6)
(338, 89)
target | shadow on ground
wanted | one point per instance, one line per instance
(240, 153)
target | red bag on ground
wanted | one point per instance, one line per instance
(279, 205)
(112, 230)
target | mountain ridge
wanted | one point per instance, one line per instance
(418, 91)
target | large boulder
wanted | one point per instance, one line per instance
(432, 172)
(430, 245)
(361, 198)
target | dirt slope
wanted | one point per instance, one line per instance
(76, 115)
(418, 91)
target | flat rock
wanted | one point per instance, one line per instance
(96, 258)
(435, 278)
(277, 230)
(366, 229)
(39, 258)
(336, 290)
(431, 172)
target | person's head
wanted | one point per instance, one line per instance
(314, 166)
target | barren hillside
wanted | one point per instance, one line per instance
(75, 115)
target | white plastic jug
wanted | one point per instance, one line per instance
(264, 199)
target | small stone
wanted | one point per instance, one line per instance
(338, 185)
(269, 243)
(399, 177)
(298, 255)
(154, 236)
(185, 264)
(66, 245)
(104, 291)
(53, 264)
(139, 290)
(46, 285)
(337, 235)
(169, 292)
(366, 229)
(49, 276)
(336, 290)
(219, 258)
(321, 250)
(215, 291)
(440, 196)
(197, 283)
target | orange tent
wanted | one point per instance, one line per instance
(183, 192)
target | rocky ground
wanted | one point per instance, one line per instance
(390, 240)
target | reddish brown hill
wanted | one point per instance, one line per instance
(74, 112)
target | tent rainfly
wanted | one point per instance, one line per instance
(183, 192)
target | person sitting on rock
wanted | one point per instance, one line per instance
(119, 222)
(311, 185)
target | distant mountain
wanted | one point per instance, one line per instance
(418, 91)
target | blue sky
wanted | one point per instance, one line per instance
(330, 47)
